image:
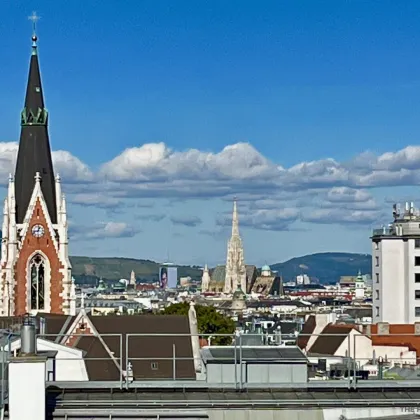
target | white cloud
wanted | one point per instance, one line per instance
(347, 195)
(277, 196)
(264, 219)
(408, 158)
(70, 168)
(341, 216)
(95, 200)
(8, 153)
(156, 162)
(190, 221)
(151, 217)
(103, 230)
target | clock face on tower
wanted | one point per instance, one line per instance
(38, 231)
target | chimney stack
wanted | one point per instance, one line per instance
(28, 336)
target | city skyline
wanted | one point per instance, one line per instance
(158, 123)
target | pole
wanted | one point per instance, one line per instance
(173, 362)
(236, 362)
(240, 361)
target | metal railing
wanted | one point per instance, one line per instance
(124, 361)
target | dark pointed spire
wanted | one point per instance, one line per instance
(34, 153)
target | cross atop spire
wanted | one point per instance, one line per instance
(34, 18)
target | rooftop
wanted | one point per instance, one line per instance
(254, 354)
(214, 398)
(405, 223)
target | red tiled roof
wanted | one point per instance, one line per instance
(399, 335)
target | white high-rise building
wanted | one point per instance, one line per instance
(303, 279)
(396, 268)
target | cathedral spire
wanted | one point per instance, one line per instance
(235, 220)
(235, 265)
(34, 153)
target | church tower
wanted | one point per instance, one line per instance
(205, 279)
(35, 269)
(235, 263)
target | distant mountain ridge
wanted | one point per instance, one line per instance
(327, 267)
(90, 270)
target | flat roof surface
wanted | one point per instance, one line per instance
(254, 354)
(222, 398)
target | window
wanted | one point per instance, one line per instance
(377, 294)
(417, 261)
(377, 261)
(377, 277)
(417, 277)
(376, 244)
(417, 294)
(377, 310)
(416, 243)
(417, 308)
(37, 269)
(154, 365)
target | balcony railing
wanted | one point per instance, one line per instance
(167, 361)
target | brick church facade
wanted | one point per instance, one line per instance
(35, 269)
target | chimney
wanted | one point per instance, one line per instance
(278, 336)
(42, 326)
(383, 328)
(28, 336)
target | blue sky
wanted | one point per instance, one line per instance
(161, 112)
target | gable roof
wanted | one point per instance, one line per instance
(143, 350)
(55, 325)
(98, 363)
(331, 338)
(307, 330)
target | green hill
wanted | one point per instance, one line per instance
(89, 270)
(327, 267)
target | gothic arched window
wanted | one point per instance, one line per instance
(37, 269)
